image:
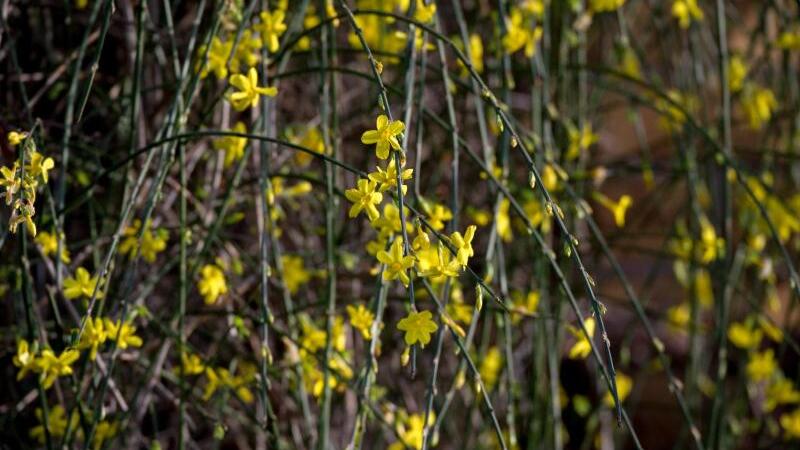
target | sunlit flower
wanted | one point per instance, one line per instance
(384, 136)
(387, 178)
(248, 91)
(686, 11)
(233, 146)
(397, 265)
(418, 327)
(520, 34)
(761, 365)
(49, 245)
(618, 208)
(212, 283)
(124, 333)
(94, 335)
(25, 359)
(758, 104)
(463, 244)
(744, 335)
(624, 387)
(364, 198)
(294, 272)
(52, 366)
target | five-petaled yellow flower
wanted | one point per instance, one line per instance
(212, 283)
(396, 263)
(248, 91)
(384, 136)
(271, 28)
(52, 366)
(463, 244)
(418, 327)
(364, 198)
(82, 285)
(122, 332)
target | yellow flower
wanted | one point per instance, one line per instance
(389, 222)
(504, 221)
(191, 364)
(758, 104)
(678, 316)
(789, 40)
(418, 327)
(56, 424)
(49, 245)
(52, 366)
(150, 245)
(24, 359)
(521, 34)
(94, 335)
(596, 6)
(312, 140)
(686, 11)
(82, 285)
(364, 198)
(772, 332)
(711, 247)
(16, 137)
(618, 209)
(384, 136)
(474, 53)
(212, 283)
(294, 272)
(410, 432)
(233, 146)
(463, 244)
(780, 392)
(387, 178)
(217, 58)
(248, 91)
(361, 319)
(271, 28)
(122, 332)
(737, 72)
(624, 387)
(524, 305)
(761, 365)
(490, 367)
(437, 215)
(582, 346)
(10, 181)
(441, 267)
(790, 422)
(424, 13)
(396, 263)
(103, 432)
(247, 51)
(744, 335)
(580, 140)
(39, 166)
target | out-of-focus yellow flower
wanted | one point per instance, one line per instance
(490, 367)
(104, 431)
(758, 103)
(618, 208)
(582, 346)
(56, 424)
(439, 265)
(629, 63)
(678, 316)
(150, 244)
(789, 40)
(770, 330)
(580, 141)
(312, 140)
(686, 11)
(624, 387)
(294, 272)
(504, 221)
(737, 72)
(16, 137)
(780, 392)
(744, 335)
(418, 327)
(437, 214)
(212, 283)
(790, 422)
(761, 365)
(248, 91)
(361, 319)
(247, 52)
(191, 364)
(94, 335)
(598, 6)
(410, 432)
(521, 34)
(217, 58)
(49, 245)
(233, 146)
